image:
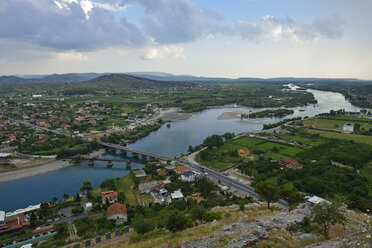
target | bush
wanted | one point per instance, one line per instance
(210, 216)
(78, 209)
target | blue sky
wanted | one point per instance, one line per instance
(226, 38)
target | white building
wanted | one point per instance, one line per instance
(2, 218)
(348, 127)
(177, 195)
(188, 176)
(88, 207)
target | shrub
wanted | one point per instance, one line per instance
(210, 216)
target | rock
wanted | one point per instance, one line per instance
(227, 228)
(348, 241)
(260, 232)
(214, 222)
(306, 236)
(245, 240)
(251, 206)
(208, 243)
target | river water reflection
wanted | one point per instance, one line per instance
(166, 141)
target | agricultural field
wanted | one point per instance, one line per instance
(337, 123)
(300, 137)
(354, 137)
(227, 155)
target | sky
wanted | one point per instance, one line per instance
(219, 38)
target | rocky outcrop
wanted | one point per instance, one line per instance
(207, 243)
(247, 239)
(255, 231)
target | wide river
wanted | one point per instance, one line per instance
(170, 142)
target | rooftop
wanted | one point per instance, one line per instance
(116, 208)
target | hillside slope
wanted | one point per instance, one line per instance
(255, 227)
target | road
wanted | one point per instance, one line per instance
(216, 176)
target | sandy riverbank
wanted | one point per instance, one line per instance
(41, 168)
(174, 114)
(27, 172)
(235, 114)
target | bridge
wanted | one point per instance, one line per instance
(134, 152)
(217, 176)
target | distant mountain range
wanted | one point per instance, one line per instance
(160, 76)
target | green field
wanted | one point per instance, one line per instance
(299, 137)
(126, 187)
(337, 123)
(227, 155)
(354, 137)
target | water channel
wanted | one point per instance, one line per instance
(170, 142)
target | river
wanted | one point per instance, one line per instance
(170, 142)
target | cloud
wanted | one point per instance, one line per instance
(176, 21)
(331, 26)
(164, 52)
(71, 56)
(63, 25)
(276, 29)
(78, 26)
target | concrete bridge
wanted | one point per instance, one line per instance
(108, 160)
(134, 152)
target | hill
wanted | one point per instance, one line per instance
(14, 80)
(123, 81)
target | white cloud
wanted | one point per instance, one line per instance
(276, 29)
(164, 52)
(71, 56)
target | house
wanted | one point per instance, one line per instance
(177, 195)
(2, 218)
(244, 152)
(5, 156)
(88, 207)
(140, 174)
(187, 176)
(93, 122)
(348, 128)
(117, 212)
(182, 169)
(289, 163)
(111, 196)
(41, 122)
(170, 168)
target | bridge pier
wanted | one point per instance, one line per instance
(128, 165)
(109, 164)
(135, 155)
(91, 162)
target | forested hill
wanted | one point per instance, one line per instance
(132, 82)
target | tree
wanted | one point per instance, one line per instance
(198, 212)
(228, 136)
(65, 196)
(54, 200)
(214, 140)
(190, 149)
(87, 185)
(205, 186)
(292, 196)
(143, 226)
(268, 191)
(176, 221)
(121, 196)
(326, 214)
